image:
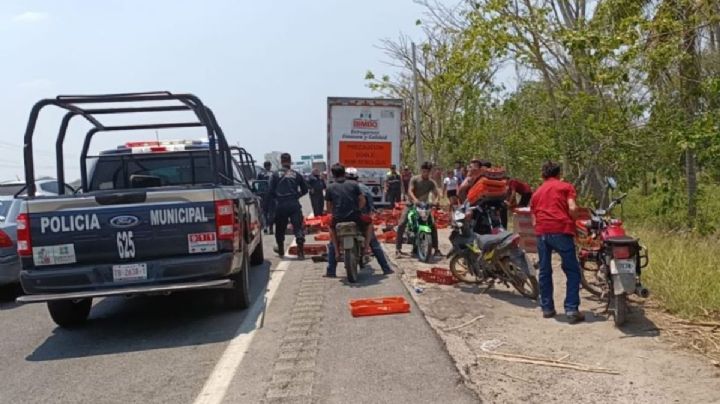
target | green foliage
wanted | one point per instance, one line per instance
(683, 274)
(625, 88)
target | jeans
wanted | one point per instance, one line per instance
(292, 212)
(564, 245)
(374, 246)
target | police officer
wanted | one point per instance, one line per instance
(317, 188)
(268, 204)
(287, 186)
(393, 186)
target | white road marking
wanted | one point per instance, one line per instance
(217, 384)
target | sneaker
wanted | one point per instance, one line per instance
(301, 255)
(327, 275)
(438, 253)
(575, 317)
(549, 314)
(388, 272)
(399, 254)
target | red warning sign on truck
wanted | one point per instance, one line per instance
(366, 154)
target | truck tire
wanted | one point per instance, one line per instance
(238, 296)
(68, 313)
(258, 255)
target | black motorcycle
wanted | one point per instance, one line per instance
(489, 258)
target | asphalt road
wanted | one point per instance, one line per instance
(172, 349)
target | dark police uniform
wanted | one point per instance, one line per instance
(317, 199)
(268, 203)
(287, 186)
(394, 188)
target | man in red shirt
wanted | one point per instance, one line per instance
(553, 207)
(517, 187)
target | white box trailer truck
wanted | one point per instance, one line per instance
(365, 133)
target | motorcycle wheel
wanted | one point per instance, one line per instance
(424, 247)
(351, 265)
(620, 310)
(460, 267)
(589, 280)
(526, 284)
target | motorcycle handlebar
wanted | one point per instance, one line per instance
(616, 201)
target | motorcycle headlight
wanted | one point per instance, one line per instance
(423, 213)
(459, 215)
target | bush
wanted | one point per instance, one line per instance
(683, 274)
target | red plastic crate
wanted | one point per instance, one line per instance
(309, 249)
(322, 237)
(440, 276)
(379, 306)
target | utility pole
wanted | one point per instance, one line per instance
(416, 111)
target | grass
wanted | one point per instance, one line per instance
(683, 274)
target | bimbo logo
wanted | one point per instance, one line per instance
(365, 121)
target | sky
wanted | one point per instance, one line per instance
(264, 67)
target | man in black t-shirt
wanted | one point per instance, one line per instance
(345, 201)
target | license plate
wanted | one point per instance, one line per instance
(129, 272)
(625, 266)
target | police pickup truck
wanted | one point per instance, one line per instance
(151, 217)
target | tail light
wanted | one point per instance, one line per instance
(516, 240)
(155, 149)
(621, 252)
(24, 244)
(225, 222)
(5, 240)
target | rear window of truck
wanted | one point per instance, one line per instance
(148, 170)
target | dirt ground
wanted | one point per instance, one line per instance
(650, 367)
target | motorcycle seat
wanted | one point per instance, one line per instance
(487, 241)
(622, 240)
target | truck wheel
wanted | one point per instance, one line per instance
(68, 313)
(258, 255)
(238, 296)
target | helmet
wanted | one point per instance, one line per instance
(351, 173)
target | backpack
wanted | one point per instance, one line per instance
(492, 185)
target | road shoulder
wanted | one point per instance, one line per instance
(475, 325)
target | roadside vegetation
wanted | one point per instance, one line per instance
(622, 88)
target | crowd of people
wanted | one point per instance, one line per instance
(552, 205)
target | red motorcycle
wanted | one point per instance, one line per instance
(611, 260)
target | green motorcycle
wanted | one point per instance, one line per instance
(419, 230)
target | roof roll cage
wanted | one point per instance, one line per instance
(73, 104)
(245, 163)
